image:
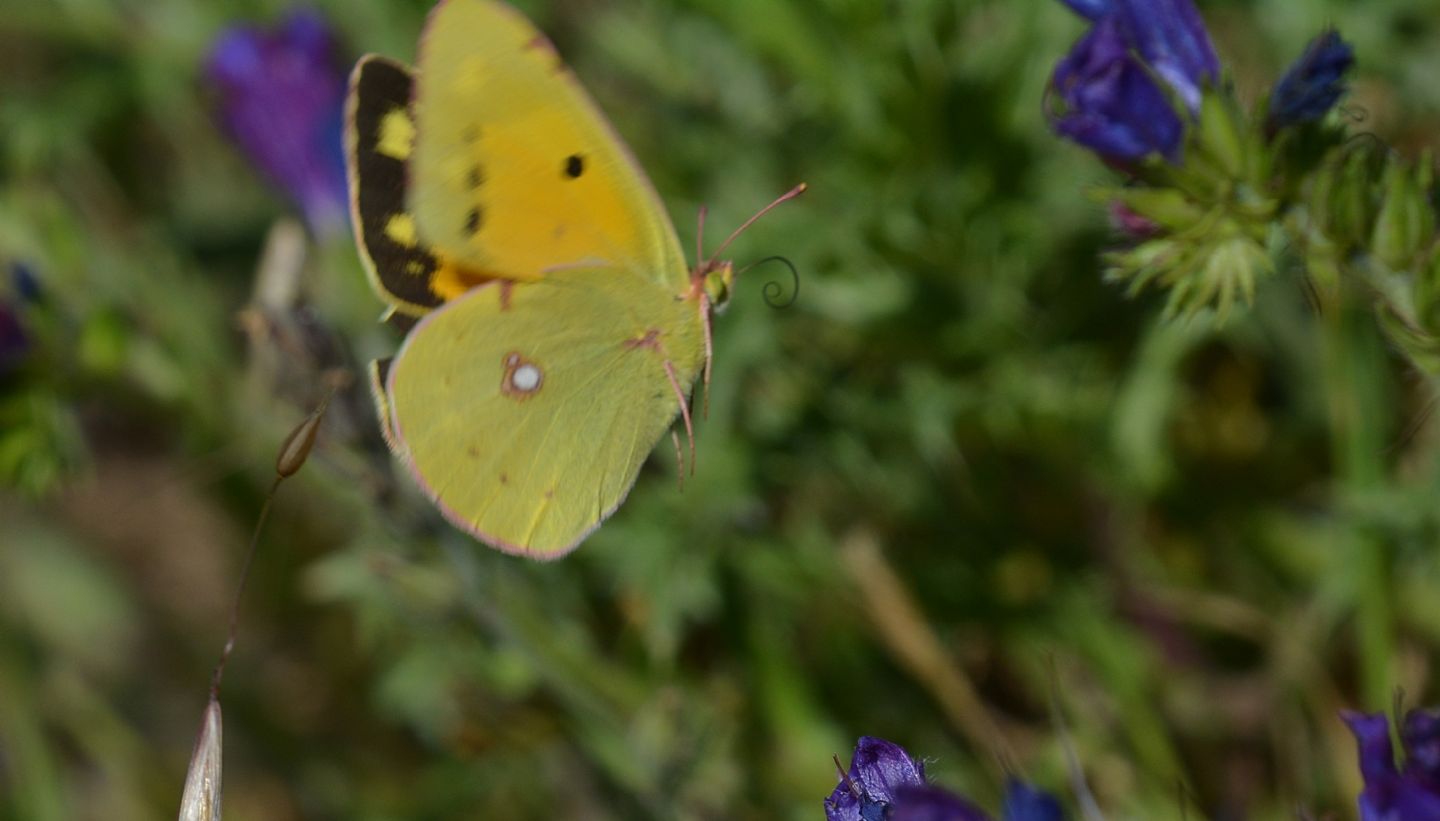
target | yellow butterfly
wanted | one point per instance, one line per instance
(557, 327)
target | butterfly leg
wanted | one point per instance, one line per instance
(709, 348)
(684, 411)
(679, 458)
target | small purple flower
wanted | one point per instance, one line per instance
(25, 282)
(1025, 803)
(1392, 794)
(927, 803)
(1421, 735)
(885, 784)
(877, 769)
(1091, 10)
(14, 342)
(282, 95)
(1313, 83)
(1112, 86)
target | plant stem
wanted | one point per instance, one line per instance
(1355, 369)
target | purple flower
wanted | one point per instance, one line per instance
(1421, 735)
(1115, 86)
(1313, 83)
(885, 784)
(1393, 794)
(877, 769)
(1091, 10)
(282, 95)
(14, 342)
(927, 803)
(1025, 803)
(25, 282)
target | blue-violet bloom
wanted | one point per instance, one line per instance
(1025, 803)
(1091, 10)
(885, 784)
(1115, 85)
(1313, 84)
(1392, 793)
(14, 342)
(282, 96)
(25, 282)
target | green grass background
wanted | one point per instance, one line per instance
(963, 494)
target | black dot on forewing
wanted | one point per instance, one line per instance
(574, 166)
(472, 221)
(474, 177)
(470, 133)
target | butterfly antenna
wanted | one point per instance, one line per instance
(786, 197)
(700, 236)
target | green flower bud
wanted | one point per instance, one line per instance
(1406, 223)
(1351, 206)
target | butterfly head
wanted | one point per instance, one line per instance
(715, 277)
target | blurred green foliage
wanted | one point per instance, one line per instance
(961, 479)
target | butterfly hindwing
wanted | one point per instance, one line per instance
(515, 171)
(526, 411)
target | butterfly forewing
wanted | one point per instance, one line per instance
(515, 171)
(406, 272)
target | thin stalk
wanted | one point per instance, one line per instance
(1355, 387)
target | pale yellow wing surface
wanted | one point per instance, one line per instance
(515, 170)
(525, 410)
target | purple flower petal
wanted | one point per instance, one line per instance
(880, 767)
(1025, 803)
(1372, 734)
(14, 342)
(843, 804)
(1421, 737)
(1110, 102)
(25, 282)
(927, 803)
(282, 96)
(877, 769)
(1398, 800)
(885, 784)
(1390, 795)
(1314, 83)
(1172, 38)
(1091, 10)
